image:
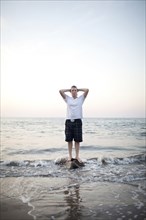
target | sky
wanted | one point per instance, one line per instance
(52, 45)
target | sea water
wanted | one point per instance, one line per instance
(39, 138)
(38, 142)
(113, 150)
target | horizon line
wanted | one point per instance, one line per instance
(134, 117)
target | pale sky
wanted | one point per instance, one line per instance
(52, 45)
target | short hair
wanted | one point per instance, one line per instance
(73, 87)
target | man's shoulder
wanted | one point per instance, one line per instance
(81, 96)
(67, 97)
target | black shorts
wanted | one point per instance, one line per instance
(73, 130)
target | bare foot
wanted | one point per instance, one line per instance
(69, 159)
(79, 160)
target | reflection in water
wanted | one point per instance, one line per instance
(72, 198)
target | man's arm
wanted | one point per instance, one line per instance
(85, 90)
(62, 92)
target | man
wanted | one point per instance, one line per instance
(73, 123)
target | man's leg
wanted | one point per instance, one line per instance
(78, 137)
(70, 149)
(77, 148)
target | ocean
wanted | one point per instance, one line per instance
(113, 150)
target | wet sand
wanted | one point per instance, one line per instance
(14, 209)
(71, 200)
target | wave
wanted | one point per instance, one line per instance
(10, 151)
(128, 170)
(136, 159)
(31, 163)
(143, 133)
(35, 151)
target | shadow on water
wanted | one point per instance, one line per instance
(73, 200)
(75, 209)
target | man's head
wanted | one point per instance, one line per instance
(74, 91)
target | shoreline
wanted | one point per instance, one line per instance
(66, 199)
(15, 210)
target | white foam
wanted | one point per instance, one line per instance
(27, 200)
